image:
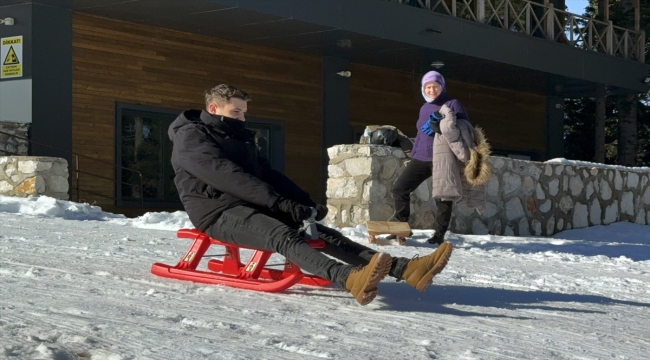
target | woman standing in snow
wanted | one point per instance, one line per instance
(460, 166)
(420, 167)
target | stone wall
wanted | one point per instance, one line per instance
(10, 144)
(524, 197)
(24, 176)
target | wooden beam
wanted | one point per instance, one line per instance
(637, 15)
(601, 116)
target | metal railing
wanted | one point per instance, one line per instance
(77, 170)
(544, 21)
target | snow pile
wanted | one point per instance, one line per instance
(163, 221)
(564, 161)
(45, 206)
(48, 207)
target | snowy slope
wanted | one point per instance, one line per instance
(75, 284)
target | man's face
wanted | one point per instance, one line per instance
(235, 108)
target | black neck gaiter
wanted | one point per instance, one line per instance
(233, 125)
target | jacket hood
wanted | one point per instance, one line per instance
(195, 116)
(185, 118)
(479, 169)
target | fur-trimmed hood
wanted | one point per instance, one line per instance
(478, 169)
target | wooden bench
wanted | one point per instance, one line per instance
(400, 229)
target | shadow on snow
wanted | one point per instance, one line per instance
(440, 299)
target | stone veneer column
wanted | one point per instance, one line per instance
(359, 181)
(23, 176)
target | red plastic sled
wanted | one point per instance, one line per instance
(231, 271)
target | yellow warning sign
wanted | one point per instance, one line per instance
(12, 58)
(11, 54)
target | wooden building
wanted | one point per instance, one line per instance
(102, 80)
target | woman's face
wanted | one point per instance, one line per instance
(432, 89)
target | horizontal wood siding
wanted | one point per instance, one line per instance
(123, 62)
(512, 120)
(379, 96)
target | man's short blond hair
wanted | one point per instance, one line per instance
(222, 93)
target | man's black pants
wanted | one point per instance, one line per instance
(253, 228)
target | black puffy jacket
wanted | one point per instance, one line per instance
(217, 169)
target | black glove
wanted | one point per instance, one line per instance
(298, 212)
(322, 211)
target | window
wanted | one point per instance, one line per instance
(143, 146)
(269, 138)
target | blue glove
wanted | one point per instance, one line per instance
(426, 128)
(432, 125)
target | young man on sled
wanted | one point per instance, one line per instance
(232, 194)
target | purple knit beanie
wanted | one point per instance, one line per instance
(429, 77)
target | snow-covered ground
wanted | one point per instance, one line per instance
(75, 283)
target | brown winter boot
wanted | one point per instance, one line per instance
(362, 282)
(420, 271)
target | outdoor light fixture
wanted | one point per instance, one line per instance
(7, 21)
(344, 43)
(344, 73)
(437, 64)
(647, 80)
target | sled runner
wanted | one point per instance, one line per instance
(400, 229)
(231, 271)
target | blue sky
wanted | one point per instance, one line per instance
(577, 6)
